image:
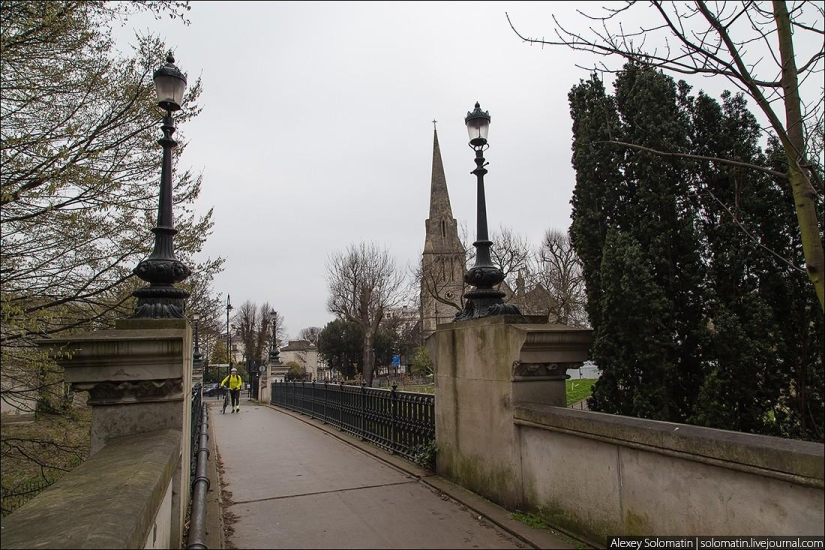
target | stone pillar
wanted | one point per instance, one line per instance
(482, 368)
(263, 384)
(139, 379)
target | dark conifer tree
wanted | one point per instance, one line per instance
(632, 344)
(741, 389)
(645, 196)
(799, 318)
(697, 293)
(598, 182)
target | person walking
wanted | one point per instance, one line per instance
(234, 383)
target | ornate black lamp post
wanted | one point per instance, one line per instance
(161, 300)
(484, 300)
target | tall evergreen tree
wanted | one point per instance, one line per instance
(632, 343)
(742, 388)
(599, 185)
(660, 217)
(643, 195)
(697, 290)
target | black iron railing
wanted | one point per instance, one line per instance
(196, 537)
(398, 421)
(194, 427)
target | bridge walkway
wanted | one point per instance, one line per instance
(291, 482)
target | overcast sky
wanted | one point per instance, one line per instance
(316, 130)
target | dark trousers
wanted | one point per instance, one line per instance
(235, 395)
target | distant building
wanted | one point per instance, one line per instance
(305, 354)
(589, 369)
(443, 264)
(403, 318)
(535, 300)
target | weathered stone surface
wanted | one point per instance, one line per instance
(503, 432)
(599, 475)
(139, 379)
(802, 461)
(109, 501)
(479, 379)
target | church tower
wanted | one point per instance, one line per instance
(443, 262)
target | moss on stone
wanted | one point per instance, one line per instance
(494, 482)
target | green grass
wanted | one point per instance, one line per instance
(576, 389)
(530, 520)
(579, 389)
(41, 452)
(536, 522)
(420, 389)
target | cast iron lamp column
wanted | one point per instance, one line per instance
(161, 300)
(484, 300)
(228, 335)
(197, 358)
(273, 349)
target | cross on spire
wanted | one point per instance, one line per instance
(434, 121)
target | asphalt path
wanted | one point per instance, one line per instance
(288, 484)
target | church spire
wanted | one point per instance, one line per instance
(439, 197)
(443, 261)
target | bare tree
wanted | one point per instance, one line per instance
(310, 334)
(436, 285)
(558, 273)
(254, 326)
(759, 48)
(363, 282)
(510, 252)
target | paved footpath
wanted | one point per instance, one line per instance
(291, 484)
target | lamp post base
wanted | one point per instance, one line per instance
(485, 302)
(160, 302)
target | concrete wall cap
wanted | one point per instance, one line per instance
(115, 336)
(788, 456)
(109, 501)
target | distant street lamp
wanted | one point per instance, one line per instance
(161, 300)
(484, 301)
(197, 359)
(228, 334)
(230, 346)
(273, 349)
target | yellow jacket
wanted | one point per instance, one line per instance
(235, 382)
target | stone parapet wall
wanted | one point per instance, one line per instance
(139, 380)
(118, 498)
(503, 431)
(599, 475)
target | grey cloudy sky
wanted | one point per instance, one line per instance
(316, 130)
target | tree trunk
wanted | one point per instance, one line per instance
(367, 357)
(803, 191)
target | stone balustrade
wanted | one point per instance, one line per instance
(133, 490)
(119, 498)
(503, 431)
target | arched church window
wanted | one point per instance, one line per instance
(443, 229)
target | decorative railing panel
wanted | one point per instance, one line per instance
(400, 422)
(194, 427)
